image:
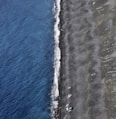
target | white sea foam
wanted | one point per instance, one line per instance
(57, 57)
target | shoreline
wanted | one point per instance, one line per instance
(57, 57)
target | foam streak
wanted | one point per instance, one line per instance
(57, 57)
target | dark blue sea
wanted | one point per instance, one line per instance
(26, 58)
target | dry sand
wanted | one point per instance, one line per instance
(88, 59)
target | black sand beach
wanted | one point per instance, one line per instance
(88, 59)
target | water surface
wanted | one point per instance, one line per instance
(26, 58)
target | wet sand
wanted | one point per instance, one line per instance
(88, 59)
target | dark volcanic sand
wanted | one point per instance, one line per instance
(88, 63)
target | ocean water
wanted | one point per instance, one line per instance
(26, 58)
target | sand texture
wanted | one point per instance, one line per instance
(88, 59)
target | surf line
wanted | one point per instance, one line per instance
(57, 57)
